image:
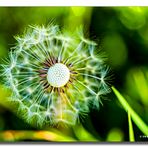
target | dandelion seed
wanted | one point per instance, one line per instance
(55, 76)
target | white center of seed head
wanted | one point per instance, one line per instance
(58, 75)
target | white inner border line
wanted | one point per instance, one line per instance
(73, 2)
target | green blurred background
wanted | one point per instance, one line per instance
(122, 32)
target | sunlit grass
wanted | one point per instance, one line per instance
(135, 117)
(131, 131)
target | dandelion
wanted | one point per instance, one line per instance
(55, 76)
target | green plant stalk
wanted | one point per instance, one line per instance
(135, 117)
(131, 131)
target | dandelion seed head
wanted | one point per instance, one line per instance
(55, 76)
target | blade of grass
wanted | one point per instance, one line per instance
(131, 131)
(137, 120)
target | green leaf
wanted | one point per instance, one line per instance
(137, 120)
(131, 131)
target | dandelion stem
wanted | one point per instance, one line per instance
(69, 103)
(49, 99)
